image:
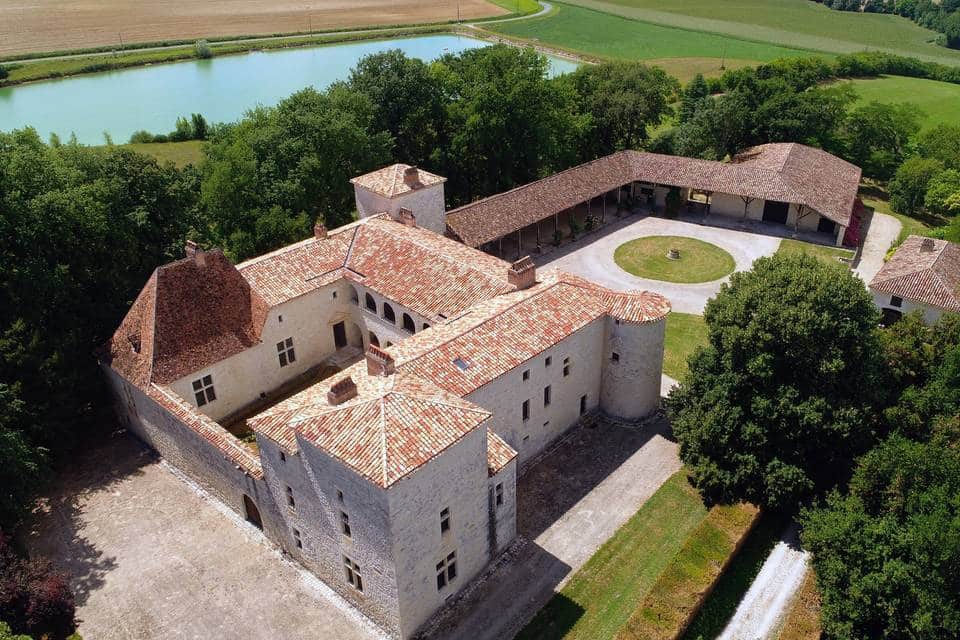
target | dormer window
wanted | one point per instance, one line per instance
(203, 390)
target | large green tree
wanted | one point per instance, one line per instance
(887, 555)
(623, 100)
(781, 399)
(876, 136)
(270, 175)
(908, 189)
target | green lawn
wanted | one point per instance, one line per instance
(179, 153)
(938, 101)
(518, 6)
(736, 580)
(699, 261)
(829, 255)
(798, 24)
(685, 332)
(605, 35)
(601, 596)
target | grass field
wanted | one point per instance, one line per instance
(600, 597)
(179, 153)
(803, 619)
(685, 332)
(48, 25)
(939, 101)
(798, 24)
(699, 261)
(830, 255)
(609, 36)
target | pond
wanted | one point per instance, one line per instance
(222, 89)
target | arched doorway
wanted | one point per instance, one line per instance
(251, 512)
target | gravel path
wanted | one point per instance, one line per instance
(881, 233)
(768, 599)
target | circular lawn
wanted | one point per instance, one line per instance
(699, 261)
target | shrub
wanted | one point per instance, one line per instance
(4, 72)
(202, 49)
(199, 126)
(34, 599)
(141, 136)
(673, 202)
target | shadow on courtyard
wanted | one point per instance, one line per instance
(58, 527)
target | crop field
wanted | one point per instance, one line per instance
(610, 36)
(790, 23)
(939, 102)
(28, 26)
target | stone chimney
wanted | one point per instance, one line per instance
(407, 217)
(193, 251)
(411, 177)
(319, 231)
(341, 391)
(927, 245)
(522, 274)
(379, 362)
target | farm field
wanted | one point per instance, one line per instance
(179, 153)
(939, 101)
(683, 53)
(790, 23)
(29, 26)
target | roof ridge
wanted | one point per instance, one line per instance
(153, 323)
(385, 469)
(444, 403)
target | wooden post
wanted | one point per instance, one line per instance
(603, 210)
(519, 243)
(500, 247)
(539, 246)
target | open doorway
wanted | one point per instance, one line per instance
(251, 512)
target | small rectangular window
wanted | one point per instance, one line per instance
(896, 301)
(547, 361)
(285, 352)
(444, 520)
(446, 570)
(283, 457)
(546, 396)
(290, 501)
(525, 410)
(583, 405)
(566, 366)
(345, 524)
(203, 390)
(280, 318)
(498, 492)
(296, 539)
(353, 574)
(615, 356)
(526, 374)
(339, 496)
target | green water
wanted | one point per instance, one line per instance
(222, 89)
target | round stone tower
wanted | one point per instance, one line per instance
(633, 363)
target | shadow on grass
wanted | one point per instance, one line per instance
(553, 621)
(736, 580)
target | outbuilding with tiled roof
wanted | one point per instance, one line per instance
(923, 274)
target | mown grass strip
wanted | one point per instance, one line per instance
(723, 601)
(684, 334)
(830, 255)
(803, 619)
(677, 594)
(600, 597)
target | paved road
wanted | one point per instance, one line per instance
(154, 558)
(592, 257)
(883, 230)
(767, 601)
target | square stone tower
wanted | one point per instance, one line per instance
(408, 194)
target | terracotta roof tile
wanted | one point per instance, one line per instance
(391, 181)
(499, 453)
(786, 172)
(923, 270)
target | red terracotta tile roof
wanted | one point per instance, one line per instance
(192, 313)
(207, 429)
(786, 172)
(499, 453)
(390, 181)
(393, 426)
(923, 270)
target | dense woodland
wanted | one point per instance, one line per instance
(82, 228)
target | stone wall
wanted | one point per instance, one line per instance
(931, 315)
(632, 368)
(427, 205)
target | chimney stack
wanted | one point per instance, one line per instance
(379, 362)
(319, 231)
(522, 274)
(341, 391)
(411, 177)
(193, 251)
(407, 217)
(927, 245)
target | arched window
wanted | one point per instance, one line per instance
(374, 340)
(388, 313)
(354, 296)
(371, 303)
(425, 326)
(408, 324)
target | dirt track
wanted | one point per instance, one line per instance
(47, 25)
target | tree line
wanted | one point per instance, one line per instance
(942, 16)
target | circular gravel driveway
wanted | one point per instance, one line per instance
(592, 257)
